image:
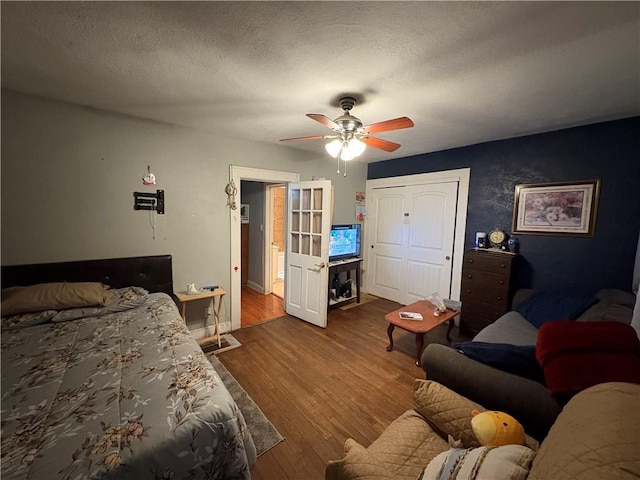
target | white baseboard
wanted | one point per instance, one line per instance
(255, 286)
(209, 330)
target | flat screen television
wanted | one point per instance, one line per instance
(344, 241)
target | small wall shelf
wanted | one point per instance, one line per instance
(149, 201)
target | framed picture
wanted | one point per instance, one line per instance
(244, 213)
(563, 208)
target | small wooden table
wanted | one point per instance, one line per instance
(185, 297)
(419, 327)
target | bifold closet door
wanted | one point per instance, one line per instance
(411, 253)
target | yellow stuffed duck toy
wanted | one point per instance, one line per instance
(494, 429)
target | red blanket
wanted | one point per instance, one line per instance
(576, 355)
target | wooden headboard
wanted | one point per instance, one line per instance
(153, 273)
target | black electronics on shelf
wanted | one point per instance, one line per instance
(149, 201)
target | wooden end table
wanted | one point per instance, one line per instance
(185, 297)
(419, 327)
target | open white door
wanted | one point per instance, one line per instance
(307, 270)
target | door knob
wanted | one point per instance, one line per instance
(447, 257)
(319, 265)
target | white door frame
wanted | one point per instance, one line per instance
(236, 175)
(461, 176)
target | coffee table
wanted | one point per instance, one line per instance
(419, 327)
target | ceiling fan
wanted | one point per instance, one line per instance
(351, 137)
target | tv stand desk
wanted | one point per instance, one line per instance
(335, 268)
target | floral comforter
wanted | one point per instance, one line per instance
(128, 395)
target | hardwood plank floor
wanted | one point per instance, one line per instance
(257, 307)
(321, 386)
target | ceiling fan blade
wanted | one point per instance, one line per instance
(312, 137)
(385, 145)
(324, 120)
(395, 124)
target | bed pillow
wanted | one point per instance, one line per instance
(55, 296)
(125, 299)
(517, 359)
(23, 320)
(542, 307)
(509, 462)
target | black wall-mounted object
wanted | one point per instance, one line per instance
(149, 201)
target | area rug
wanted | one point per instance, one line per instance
(364, 298)
(227, 342)
(264, 434)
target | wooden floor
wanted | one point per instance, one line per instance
(257, 308)
(321, 386)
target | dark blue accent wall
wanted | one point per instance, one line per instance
(607, 151)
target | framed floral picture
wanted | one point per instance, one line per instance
(563, 208)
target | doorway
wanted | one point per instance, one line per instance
(277, 195)
(238, 174)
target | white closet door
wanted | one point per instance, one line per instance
(387, 262)
(413, 235)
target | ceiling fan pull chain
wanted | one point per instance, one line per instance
(338, 159)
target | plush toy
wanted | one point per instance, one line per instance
(494, 429)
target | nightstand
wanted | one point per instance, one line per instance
(184, 297)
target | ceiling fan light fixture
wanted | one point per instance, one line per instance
(346, 154)
(347, 149)
(356, 146)
(333, 148)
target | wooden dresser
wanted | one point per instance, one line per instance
(487, 288)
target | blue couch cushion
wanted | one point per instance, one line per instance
(517, 359)
(542, 307)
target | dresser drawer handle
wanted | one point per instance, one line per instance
(469, 276)
(468, 290)
(499, 297)
(502, 265)
(501, 282)
(471, 260)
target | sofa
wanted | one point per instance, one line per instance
(596, 436)
(525, 398)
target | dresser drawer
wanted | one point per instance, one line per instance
(471, 325)
(487, 262)
(498, 296)
(472, 277)
(475, 308)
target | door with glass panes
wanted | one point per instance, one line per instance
(308, 226)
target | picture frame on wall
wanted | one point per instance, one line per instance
(561, 208)
(244, 213)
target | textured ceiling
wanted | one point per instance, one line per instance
(464, 72)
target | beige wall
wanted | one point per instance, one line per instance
(69, 173)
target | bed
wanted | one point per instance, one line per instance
(116, 391)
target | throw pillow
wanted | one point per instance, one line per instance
(517, 359)
(542, 307)
(446, 410)
(509, 462)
